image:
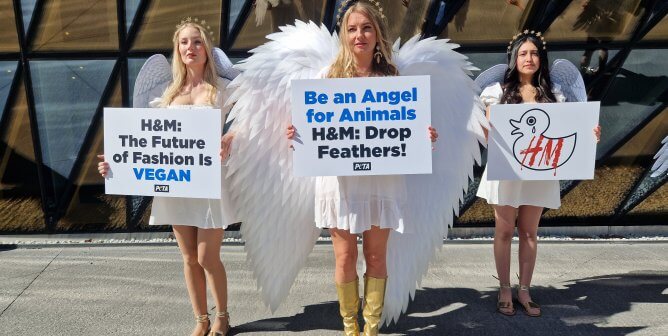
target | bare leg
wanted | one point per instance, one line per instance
(527, 228)
(504, 227)
(208, 253)
(345, 255)
(186, 237)
(375, 251)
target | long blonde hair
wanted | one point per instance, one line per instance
(179, 68)
(344, 65)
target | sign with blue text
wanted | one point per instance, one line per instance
(361, 126)
(553, 141)
(168, 152)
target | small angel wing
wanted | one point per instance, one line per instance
(277, 208)
(458, 116)
(568, 76)
(152, 80)
(492, 75)
(660, 166)
(224, 66)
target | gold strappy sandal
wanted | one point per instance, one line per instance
(503, 306)
(529, 304)
(227, 327)
(204, 318)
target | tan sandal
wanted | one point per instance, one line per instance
(529, 304)
(227, 327)
(503, 306)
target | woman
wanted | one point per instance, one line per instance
(198, 224)
(367, 205)
(527, 80)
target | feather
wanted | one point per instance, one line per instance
(276, 206)
(433, 200)
(152, 80)
(660, 166)
(566, 75)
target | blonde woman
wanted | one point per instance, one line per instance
(198, 224)
(402, 219)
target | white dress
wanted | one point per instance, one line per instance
(355, 203)
(513, 192)
(200, 212)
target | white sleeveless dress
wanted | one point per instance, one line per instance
(198, 212)
(513, 192)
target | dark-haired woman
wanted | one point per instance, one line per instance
(527, 80)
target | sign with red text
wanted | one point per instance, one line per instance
(361, 126)
(553, 141)
(168, 152)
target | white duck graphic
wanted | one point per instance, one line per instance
(534, 149)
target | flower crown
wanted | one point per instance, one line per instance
(538, 35)
(347, 3)
(202, 23)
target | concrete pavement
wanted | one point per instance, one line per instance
(602, 288)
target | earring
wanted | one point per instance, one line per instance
(378, 54)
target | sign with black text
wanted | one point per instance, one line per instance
(553, 141)
(169, 152)
(361, 126)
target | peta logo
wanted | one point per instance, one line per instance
(359, 166)
(161, 188)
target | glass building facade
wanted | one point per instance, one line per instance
(62, 61)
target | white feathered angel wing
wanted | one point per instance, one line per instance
(568, 76)
(458, 116)
(152, 80)
(276, 207)
(660, 166)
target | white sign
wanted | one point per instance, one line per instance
(361, 126)
(553, 141)
(163, 152)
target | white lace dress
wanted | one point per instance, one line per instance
(515, 193)
(200, 212)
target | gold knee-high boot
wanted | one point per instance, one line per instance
(374, 298)
(349, 302)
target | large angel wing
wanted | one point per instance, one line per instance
(458, 115)
(277, 208)
(568, 76)
(152, 80)
(660, 166)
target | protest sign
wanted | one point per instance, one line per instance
(553, 141)
(361, 126)
(167, 152)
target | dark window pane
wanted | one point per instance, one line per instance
(20, 200)
(486, 21)
(260, 24)
(27, 7)
(659, 32)
(89, 208)
(77, 25)
(596, 21)
(130, 11)
(163, 15)
(7, 72)
(9, 41)
(235, 8)
(637, 91)
(67, 94)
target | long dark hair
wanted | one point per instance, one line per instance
(541, 79)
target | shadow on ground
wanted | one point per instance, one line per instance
(582, 307)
